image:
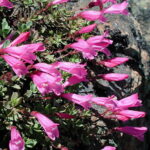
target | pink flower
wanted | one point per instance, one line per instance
(75, 69)
(109, 148)
(92, 15)
(65, 116)
(20, 53)
(73, 80)
(117, 9)
(17, 65)
(130, 101)
(55, 2)
(21, 38)
(105, 101)
(114, 76)
(84, 101)
(130, 114)
(87, 29)
(47, 83)
(48, 68)
(137, 132)
(98, 39)
(24, 54)
(48, 125)
(114, 61)
(16, 142)
(6, 3)
(83, 47)
(93, 45)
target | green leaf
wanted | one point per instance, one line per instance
(30, 143)
(5, 28)
(15, 100)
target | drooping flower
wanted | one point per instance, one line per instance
(92, 15)
(114, 76)
(21, 38)
(109, 148)
(16, 142)
(105, 101)
(118, 109)
(50, 128)
(24, 54)
(117, 9)
(6, 3)
(47, 83)
(75, 69)
(86, 29)
(18, 66)
(129, 114)
(48, 68)
(73, 80)
(114, 61)
(127, 102)
(84, 101)
(83, 47)
(92, 45)
(137, 132)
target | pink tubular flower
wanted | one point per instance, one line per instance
(18, 66)
(6, 3)
(20, 54)
(105, 101)
(109, 148)
(21, 38)
(16, 142)
(56, 2)
(73, 80)
(114, 61)
(92, 15)
(48, 125)
(130, 101)
(87, 29)
(47, 83)
(75, 69)
(24, 52)
(47, 68)
(130, 114)
(84, 101)
(65, 116)
(93, 45)
(117, 9)
(137, 132)
(114, 76)
(83, 47)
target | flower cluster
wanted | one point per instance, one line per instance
(49, 79)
